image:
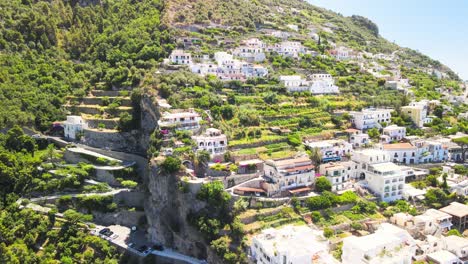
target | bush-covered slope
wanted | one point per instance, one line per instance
(50, 49)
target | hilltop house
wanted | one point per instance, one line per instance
(393, 133)
(290, 173)
(323, 84)
(212, 141)
(357, 138)
(180, 120)
(332, 150)
(339, 173)
(370, 118)
(73, 126)
(294, 83)
(180, 57)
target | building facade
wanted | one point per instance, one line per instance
(74, 126)
(212, 141)
(290, 173)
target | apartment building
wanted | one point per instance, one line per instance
(290, 173)
(180, 120)
(370, 118)
(339, 174)
(212, 141)
(393, 133)
(386, 180)
(332, 150)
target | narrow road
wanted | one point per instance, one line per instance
(52, 197)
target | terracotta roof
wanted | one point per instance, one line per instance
(249, 189)
(351, 130)
(398, 146)
(300, 190)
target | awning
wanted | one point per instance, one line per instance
(304, 189)
(249, 189)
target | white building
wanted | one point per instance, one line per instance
(443, 257)
(180, 57)
(339, 174)
(189, 120)
(389, 244)
(371, 117)
(290, 173)
(418, 112)
(323, 84)
(290, 244)
(294, 83)
(431, 222)
(404, 153)
(357, 138)
(212, 141)
(457, 245)
(394, 133)
(366, 157)
(332, 150)
(288, 49)
(251, 50)
(73, 126)
(386, 180)
(343, 53)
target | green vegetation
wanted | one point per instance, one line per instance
(322, 184)
(29, 237)
(54, 49)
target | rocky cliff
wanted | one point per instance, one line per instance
(166, 209)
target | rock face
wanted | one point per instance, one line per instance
(136, 141)
(166, 209)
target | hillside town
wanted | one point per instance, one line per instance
(283, 140)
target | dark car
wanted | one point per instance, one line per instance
(104, 230)
(142, 248)
(158, 247)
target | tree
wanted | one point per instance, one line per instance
(373, 133)
(322, 184)
(316, 156)
(270, 98)
(463, 143)
(74, 217)
(213, 193)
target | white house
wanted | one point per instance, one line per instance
(212, 141)
(332, 150)
(180, 57)
(294, 83)
(366, 157)
(288, 49)
(394, 133)
(73, 126)
(182, 120)
(251, 50)
(290, 244)
(371, 117)
(404, 153)
(357, 138)
(290, 173)
(386, 180)
(431, 222)
(343, 53)
(323, 84)
(389, 244)
(339, 174)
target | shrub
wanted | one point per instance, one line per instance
(328, 232)
(129, 184)
(322, 184)
(171, 165)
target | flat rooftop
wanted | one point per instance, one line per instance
(456, 209)
(385, 167)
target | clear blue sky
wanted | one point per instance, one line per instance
(436, 28)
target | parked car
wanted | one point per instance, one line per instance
(142, 248)
(131, 245)
(104, 230)
(158, 247)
